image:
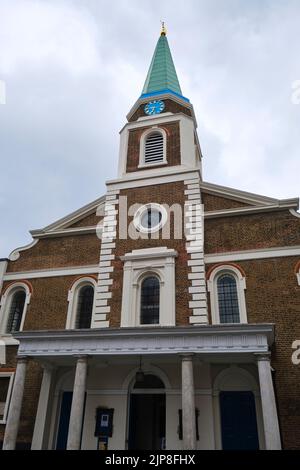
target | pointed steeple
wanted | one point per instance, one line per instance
(162, 76)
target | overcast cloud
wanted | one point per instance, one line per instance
(73, 69)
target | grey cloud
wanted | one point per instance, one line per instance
(73, 69)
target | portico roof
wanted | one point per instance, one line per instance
(206, 339)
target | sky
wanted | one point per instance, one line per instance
(72, 69)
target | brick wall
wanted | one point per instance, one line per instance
(48, 305)
(170, 194)
(173, 146)
(216, 203)
(91, 220)
(246, 232)
(273, 296)
(61, 252)
(31, 396)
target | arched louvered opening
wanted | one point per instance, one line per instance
(228, 299)
(16, 311)
(84, 307)
(154, 148)
(150, 292)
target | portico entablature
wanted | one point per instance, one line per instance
(207, 339)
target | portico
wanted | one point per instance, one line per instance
(184, 359)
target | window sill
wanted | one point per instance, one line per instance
(9, 340)
(151, 165)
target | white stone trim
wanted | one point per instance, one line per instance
(279, 252)
(212, 289)
(282, 205)
(5, 304)
(70, 271)
(153, 176)
(139, 264)
(73, 300)
(8, 396)
(194, 229)
(15, 254)
(70, 219)
(105, 270)
(216, 339)
(244, 196)
(140, 212)
(295, 213)
(69, 232)
(143, 139)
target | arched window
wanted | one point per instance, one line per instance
(14, 304)
(226, 285)
(150, 292)
(84, 307)
(153, 147)
(228, 299)
(81, 303)
(16, 311)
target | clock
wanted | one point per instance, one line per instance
(154, 107)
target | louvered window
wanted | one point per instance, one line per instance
(154, 148)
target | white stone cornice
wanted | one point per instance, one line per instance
(154, 176)
(283, 205)
(67, 271)
(205, 339)
(149, 253)
(263, 253)
(224, 191)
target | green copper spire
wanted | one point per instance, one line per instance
(162, 76)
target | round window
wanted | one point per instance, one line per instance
(150, 218)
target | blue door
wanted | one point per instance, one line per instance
(63, 427)
(238, 421)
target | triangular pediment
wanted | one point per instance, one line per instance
(87, 216)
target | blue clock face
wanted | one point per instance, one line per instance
(154, 107)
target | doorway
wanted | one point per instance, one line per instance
(238, 421)
(64, 419)
(147, 415)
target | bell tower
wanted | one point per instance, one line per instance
(161, 132)
(154, 274)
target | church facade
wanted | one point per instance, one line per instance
(165, 314)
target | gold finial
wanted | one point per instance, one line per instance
(163, 29)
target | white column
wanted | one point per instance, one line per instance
(269, 410)
(38, 439)
(13, 419)
(77, 404)
(188, 403)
